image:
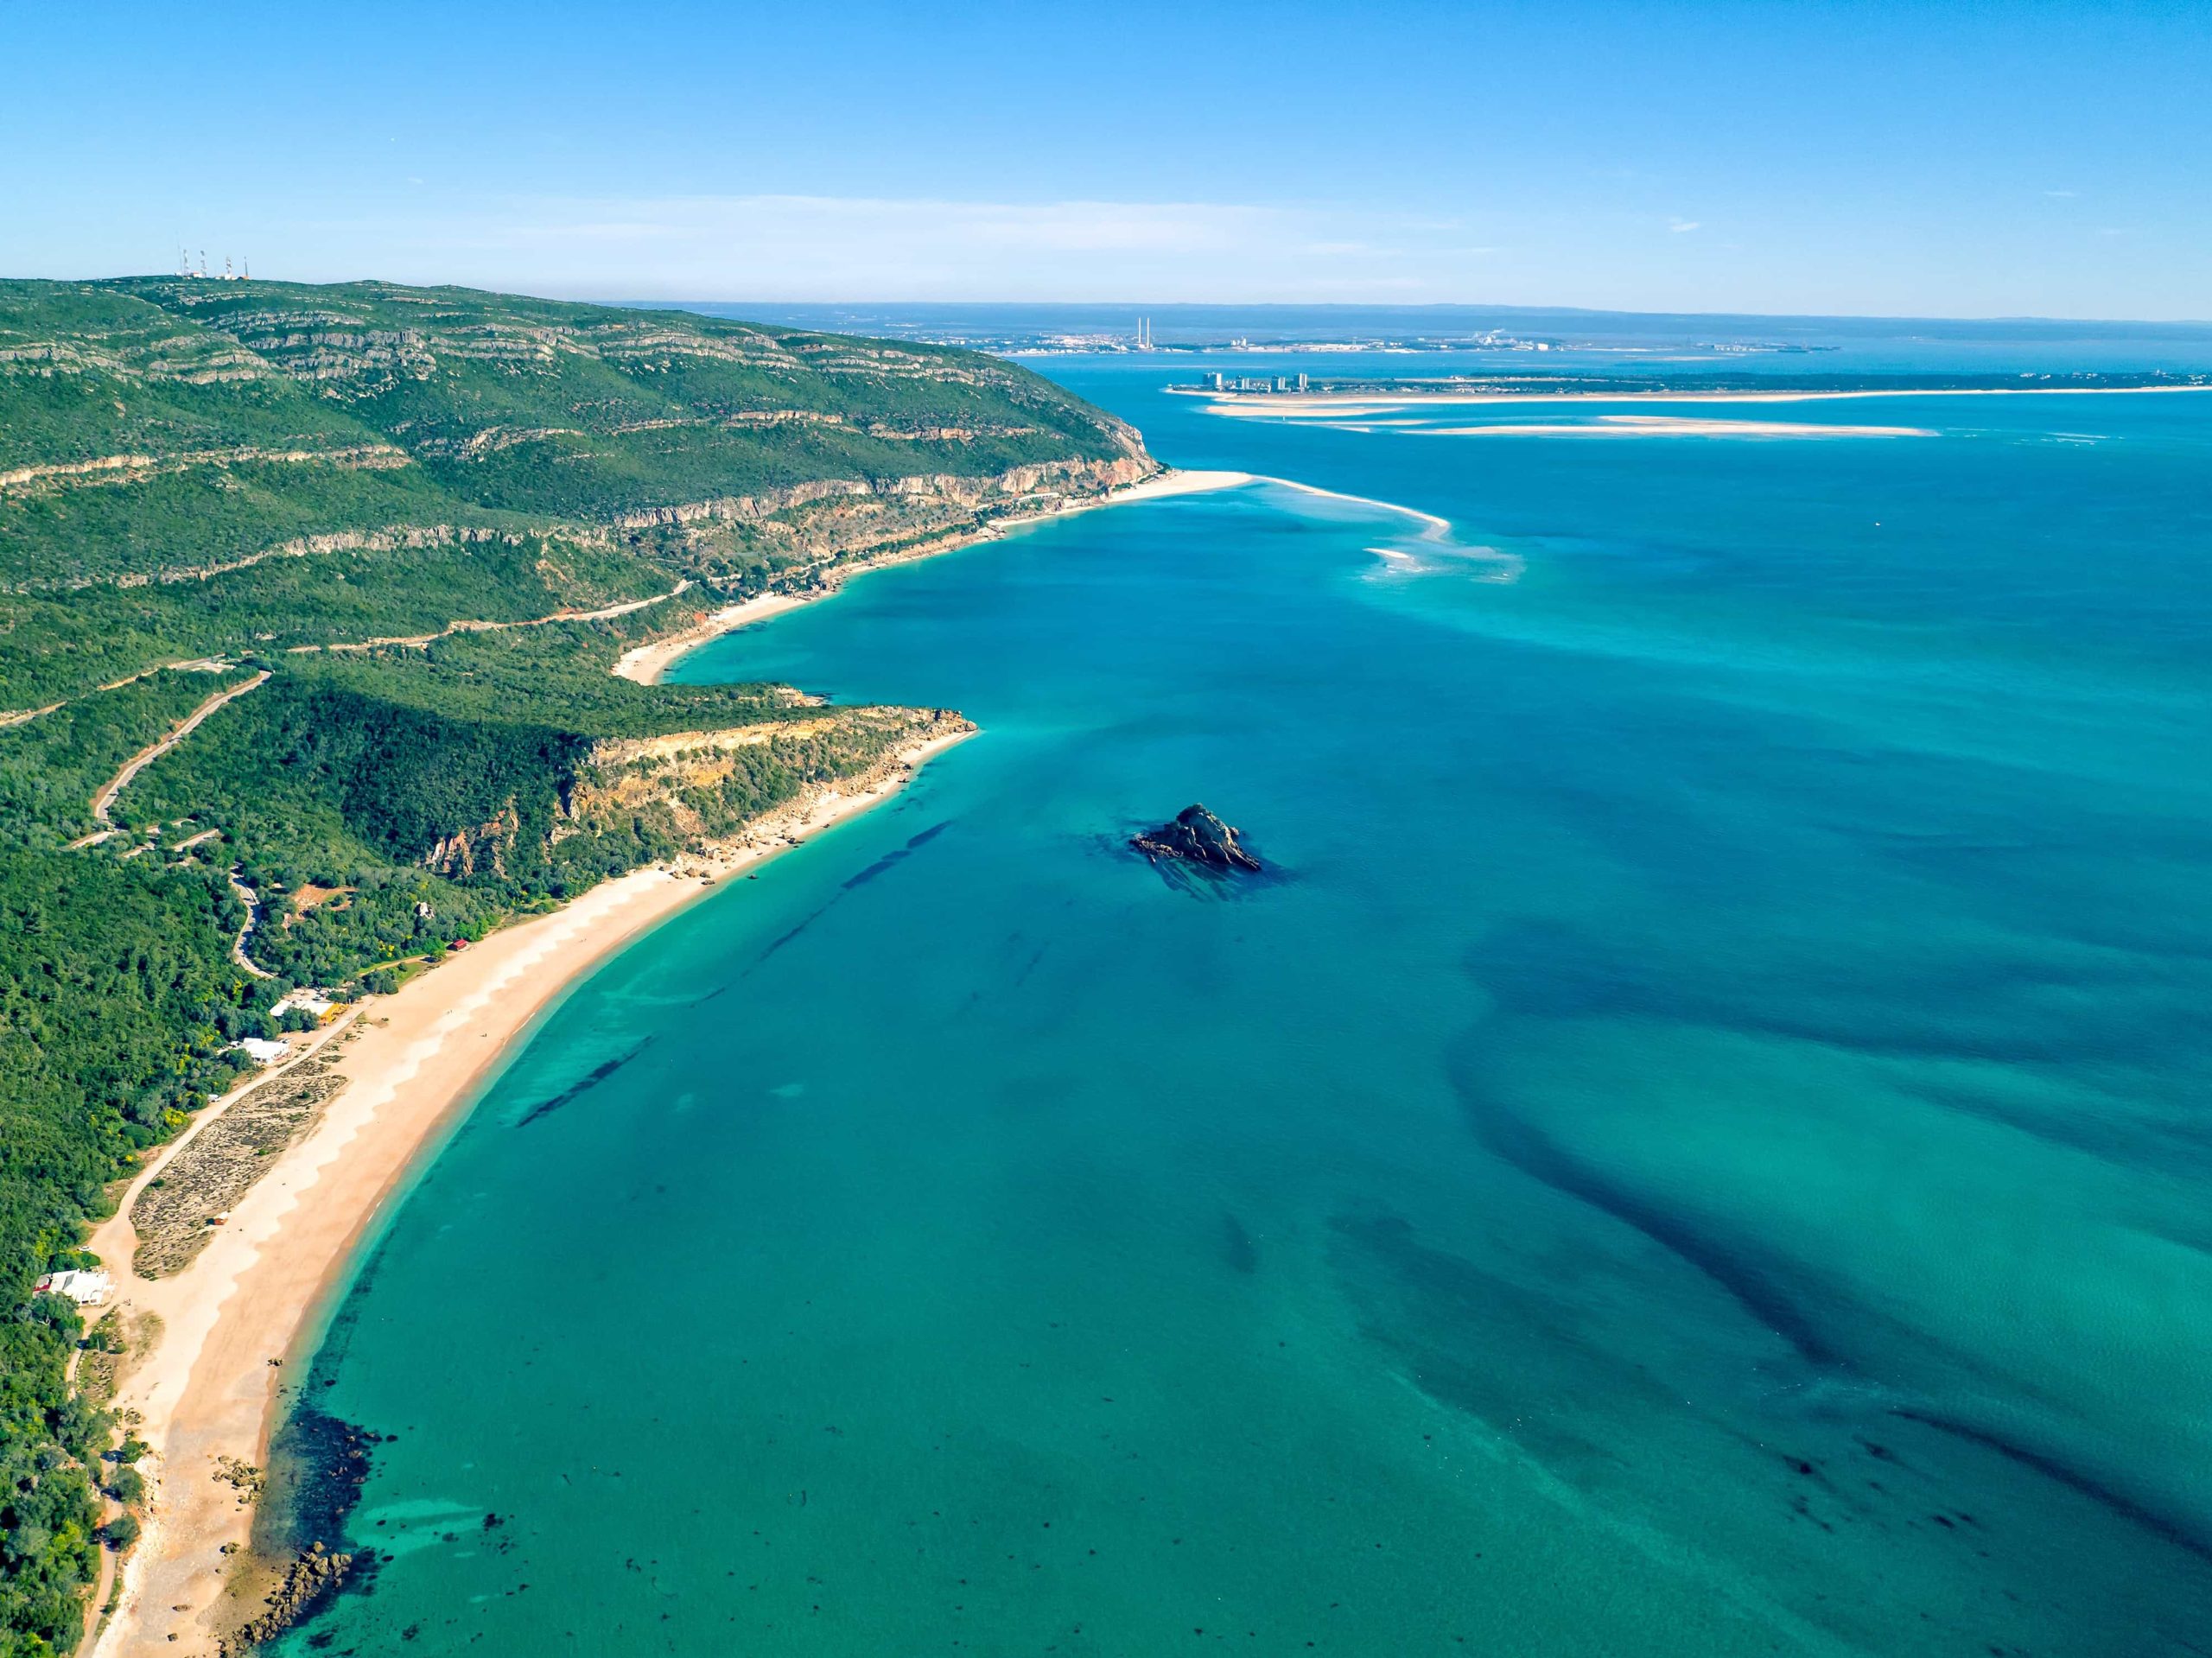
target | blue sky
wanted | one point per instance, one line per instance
(2032, 157)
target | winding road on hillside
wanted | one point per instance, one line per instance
(104, 801)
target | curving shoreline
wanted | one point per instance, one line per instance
(1435, 526)
(238, 1321)
(646, 663)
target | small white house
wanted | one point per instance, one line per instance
(84, 1288)
(315, 1001)
(261, 1051)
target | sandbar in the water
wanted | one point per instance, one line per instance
(1669, 426)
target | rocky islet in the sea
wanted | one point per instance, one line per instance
(1196, 836)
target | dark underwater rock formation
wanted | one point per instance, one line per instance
(1197, 837)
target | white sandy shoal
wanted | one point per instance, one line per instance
(1666, 426)
(1319, 405)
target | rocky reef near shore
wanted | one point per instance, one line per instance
(313, 1573)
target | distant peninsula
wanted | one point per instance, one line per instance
(1292, 390)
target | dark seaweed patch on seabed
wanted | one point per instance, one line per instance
(2074, 1478)
(867, 874)
(1758, 1290)
(891, 858)
(319, 1462)
(591, 1080)
(783, 939)
(1766, 1296)
(1238, 1253)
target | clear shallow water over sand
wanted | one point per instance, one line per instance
(1702, 1150)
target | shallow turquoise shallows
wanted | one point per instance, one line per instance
(1700, 1147)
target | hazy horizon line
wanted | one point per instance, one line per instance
(679, 301)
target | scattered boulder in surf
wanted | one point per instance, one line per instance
(1197, 837)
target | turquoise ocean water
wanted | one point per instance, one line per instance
(1701, 1149)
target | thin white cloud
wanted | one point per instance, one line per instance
(892, 225)
(835, 247)
(1679, 225)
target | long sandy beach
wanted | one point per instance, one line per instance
(210, 1387)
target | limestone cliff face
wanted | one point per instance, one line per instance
(483, 848)
(1035, 487)
(811, 534)
(706, 784)
(693, 787)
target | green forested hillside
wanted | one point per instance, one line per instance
(171, 425)
(414, 529)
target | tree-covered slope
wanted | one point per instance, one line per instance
(412, 530)
(168, 425)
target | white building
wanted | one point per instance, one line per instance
(84, 1288)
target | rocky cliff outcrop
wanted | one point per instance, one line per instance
(705, 785)
(1040, 486)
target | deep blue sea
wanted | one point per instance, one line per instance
(1700, 1147)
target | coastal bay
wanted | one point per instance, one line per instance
(312, 667)
(1498, 1227)
(211, 1390)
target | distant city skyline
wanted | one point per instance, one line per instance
(2042, 159)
